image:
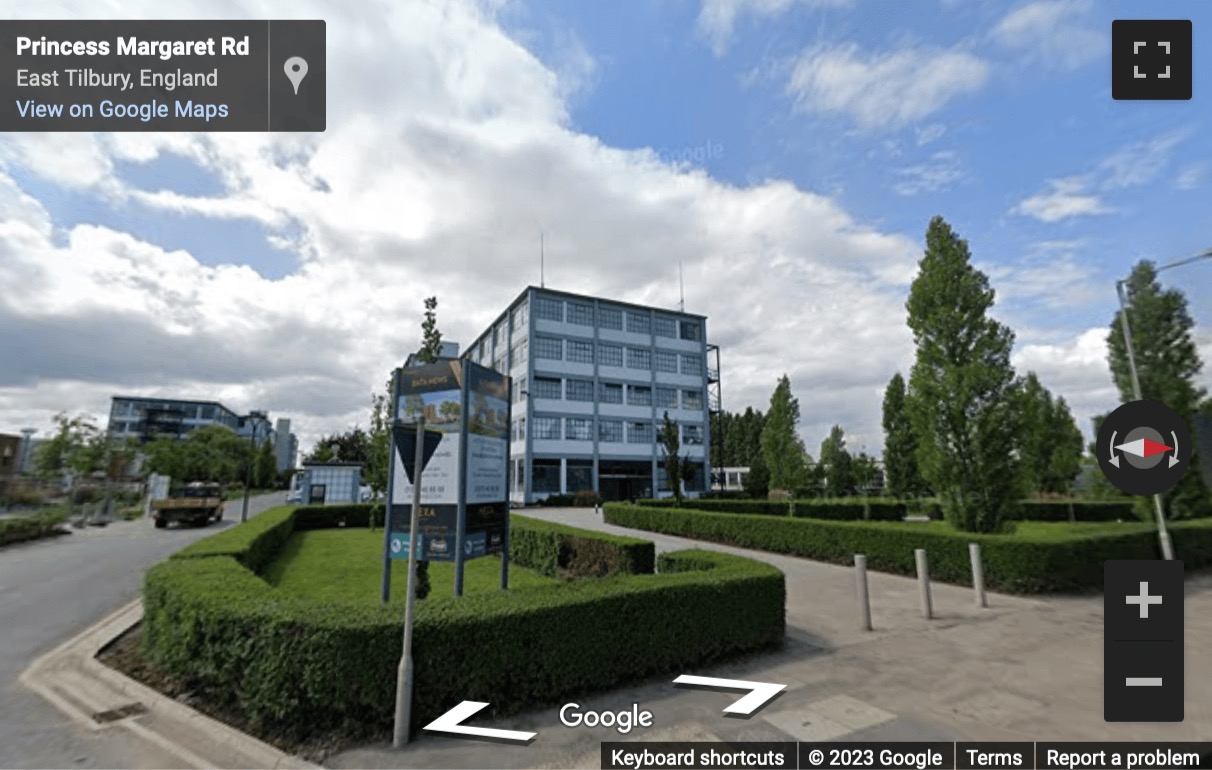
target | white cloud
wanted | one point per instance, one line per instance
(1054, 33)
(1064, 199)
(717, 18)
(434, 183)
(930, 133)
(1140, 163)
(942, 171)
(1190, 176)
(1074, 368)
(885, 90)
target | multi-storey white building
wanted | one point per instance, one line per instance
(592, 381)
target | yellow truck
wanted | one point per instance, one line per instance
(198, 503)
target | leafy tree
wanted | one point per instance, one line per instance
(674, 462)
(431, 347)
(352, 446)
(208, 453)
(961, 391)
(1050, 443)
(378, 458)
(866, 473)
(782, 448)
(757, 481)
(904, 478)
(1167, 362)
(838, 465)
(76, 449)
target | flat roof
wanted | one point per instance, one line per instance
(572, 295)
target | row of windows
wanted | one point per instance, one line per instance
(581, 352)
(545, 476)
(609, 431)
(636, 321)
(573, 389)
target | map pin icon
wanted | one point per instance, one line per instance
(296, 70)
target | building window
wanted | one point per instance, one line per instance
(545, 476)
(666, 362)
(667, 398)
(520, 316)
(638, 323)
(519, 385)
(691, 330)
(610, 355)
(519, 429)
(664, 326)
(610, 392)
(692, 399)
(499, 364)
(637, 358)
(578, 390)
(545, 387)
(580, 351)
(549, 309)
(500, 335)
(519, 475)
(546, 428)
(639, 433)
(692, 365)
(610, 431)
(639, 395)
(580, 313)
(578, 429)
(580, 475)
(610, 317)
(518, 355)
(548, 347)
(692, 435)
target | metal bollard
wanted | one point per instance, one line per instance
(923, 582)
(860, 574)
(978, 574)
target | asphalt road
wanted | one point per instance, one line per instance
(55, 588)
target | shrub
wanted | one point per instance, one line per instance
(302, 666)
(1013, 563)
(16, 529)
(556, 549)
(586, 498)
(556, 501)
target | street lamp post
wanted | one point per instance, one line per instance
(255, 419)
(1163, 535)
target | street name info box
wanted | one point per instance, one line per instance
(162, 75)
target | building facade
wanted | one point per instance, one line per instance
(592, 381)
(286, 445)
(330, 483)
(147, 418)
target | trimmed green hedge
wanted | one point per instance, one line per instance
(886, 509)
(555, 549)
(1012, 562)
(296, 665)
(17, 529)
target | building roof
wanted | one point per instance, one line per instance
(174, 400)
(333, 464)
(504, 316)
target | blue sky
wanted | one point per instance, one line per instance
(788, 153)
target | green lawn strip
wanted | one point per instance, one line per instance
(347, 565)
(16, 529)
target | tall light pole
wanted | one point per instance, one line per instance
(1163, 535)
(255, 418)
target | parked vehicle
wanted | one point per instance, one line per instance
(197, 503)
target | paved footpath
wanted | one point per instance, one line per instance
(1026, 669)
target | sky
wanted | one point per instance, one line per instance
(787, 154)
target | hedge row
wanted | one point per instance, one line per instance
(1012, 562)
(558, 550)
(884, 509)
(18, 529)
(306, 666)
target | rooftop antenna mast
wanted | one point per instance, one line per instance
(542, 282)
(681, 290)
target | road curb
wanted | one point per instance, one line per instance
(74, 681)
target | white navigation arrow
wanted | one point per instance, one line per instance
(760, 692)
(451, 722)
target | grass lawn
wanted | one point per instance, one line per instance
(347, 565)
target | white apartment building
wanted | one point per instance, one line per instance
(592, 381)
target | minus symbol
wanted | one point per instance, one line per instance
(1143, 681)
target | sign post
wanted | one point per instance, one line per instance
(404, 672)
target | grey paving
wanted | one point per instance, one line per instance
(52, 590)
(1022, 669)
